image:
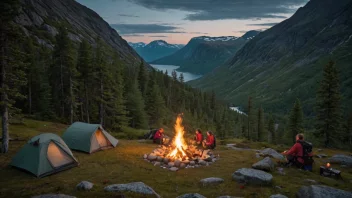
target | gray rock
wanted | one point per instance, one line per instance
(85, 185)
(145, 156)
(265, 164)
(211, 180)
(257, 155)
(53, 196)
(177, 163)
(185, 162)
(278, 196)
(252, 176)
(152, 157)
(230, 145)
(137, 187)
(166, 160)
(310, 181)
(159, 159)
(320, 191)
(227, 196)
(157, 164)
(202, 162)
(191, 195)
(173, 169)
(52, 30)
(271, 152)
(240, 149)
(182, 165)
(192, 163)
(341, 159)
(171, 164)
(281, 171)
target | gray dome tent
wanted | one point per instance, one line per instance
(88, 137)
(43, 155)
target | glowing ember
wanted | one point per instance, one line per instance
(178, 143)
(328, 165)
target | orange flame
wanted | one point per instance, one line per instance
(179, 141)
(328, 165)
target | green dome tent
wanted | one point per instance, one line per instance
(43, 155)
(88, 137)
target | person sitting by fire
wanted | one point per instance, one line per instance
(210, 142)
(300, 154)
(159, 136)
(198, 137)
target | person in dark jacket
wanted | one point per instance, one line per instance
(159, 136)
(209, 143)
(198, 137)
(295, 154)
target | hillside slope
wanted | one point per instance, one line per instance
(285, 62)
(202, 54)
(41, 19)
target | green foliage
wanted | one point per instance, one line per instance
(296, 121)
(328, 123)
(271, 129)
(260, 122)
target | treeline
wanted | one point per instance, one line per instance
(89, 83)
(331, 126)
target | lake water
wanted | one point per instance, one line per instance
(169, 68)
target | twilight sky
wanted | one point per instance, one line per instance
(177, 21)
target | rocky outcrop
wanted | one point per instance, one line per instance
(265, 164)
(211, 181)
(41, 18)
(341, 159)
(272, 153)
(84, 185)
(137, 187)
(319, 191)
(191, 195)
(252, 176)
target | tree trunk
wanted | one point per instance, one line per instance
(4, 99)
(62, 90)
(86, 102)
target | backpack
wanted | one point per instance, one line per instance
(307, 150)
(214, 145)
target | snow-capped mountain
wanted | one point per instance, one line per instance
(212, 39)
(155, 49)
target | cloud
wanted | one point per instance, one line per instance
(197, 33)
(133, 35)
(128, 15)
(262, 24)
(124, 29)
(158, 36)
(225, 9)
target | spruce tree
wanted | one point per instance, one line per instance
(349, 129)
(260, 128)
(174, 75)
(296, 120)
(249, 121)
(142, 79)
(181, 78)
(12, 77)
(155, 106)
(86, 78)
(328, 124)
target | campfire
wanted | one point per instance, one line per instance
(178, 154)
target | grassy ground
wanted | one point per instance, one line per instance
(124, 164)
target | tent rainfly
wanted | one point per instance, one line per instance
(43, 155)
(88, 137)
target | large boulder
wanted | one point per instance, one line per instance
(191, 195)
(265, 164)
(252, 176)
(320, 191)
(211, 180)
(341, 159)
(271, 152)
(53, 196)
(84, 185)
(137, 187)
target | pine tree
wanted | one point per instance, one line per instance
(296, 120)
(249, 114)
(142, 79)
(154, 104)
(12, 77)
(271, 129)
(31, 72)
(174, 75)
(181, 78)
(328, 107)
(349, 129)
(86, 75)
(260, 128)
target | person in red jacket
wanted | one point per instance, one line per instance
(209, 143)
(159, 136)
(295, 154)
(198, 137)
